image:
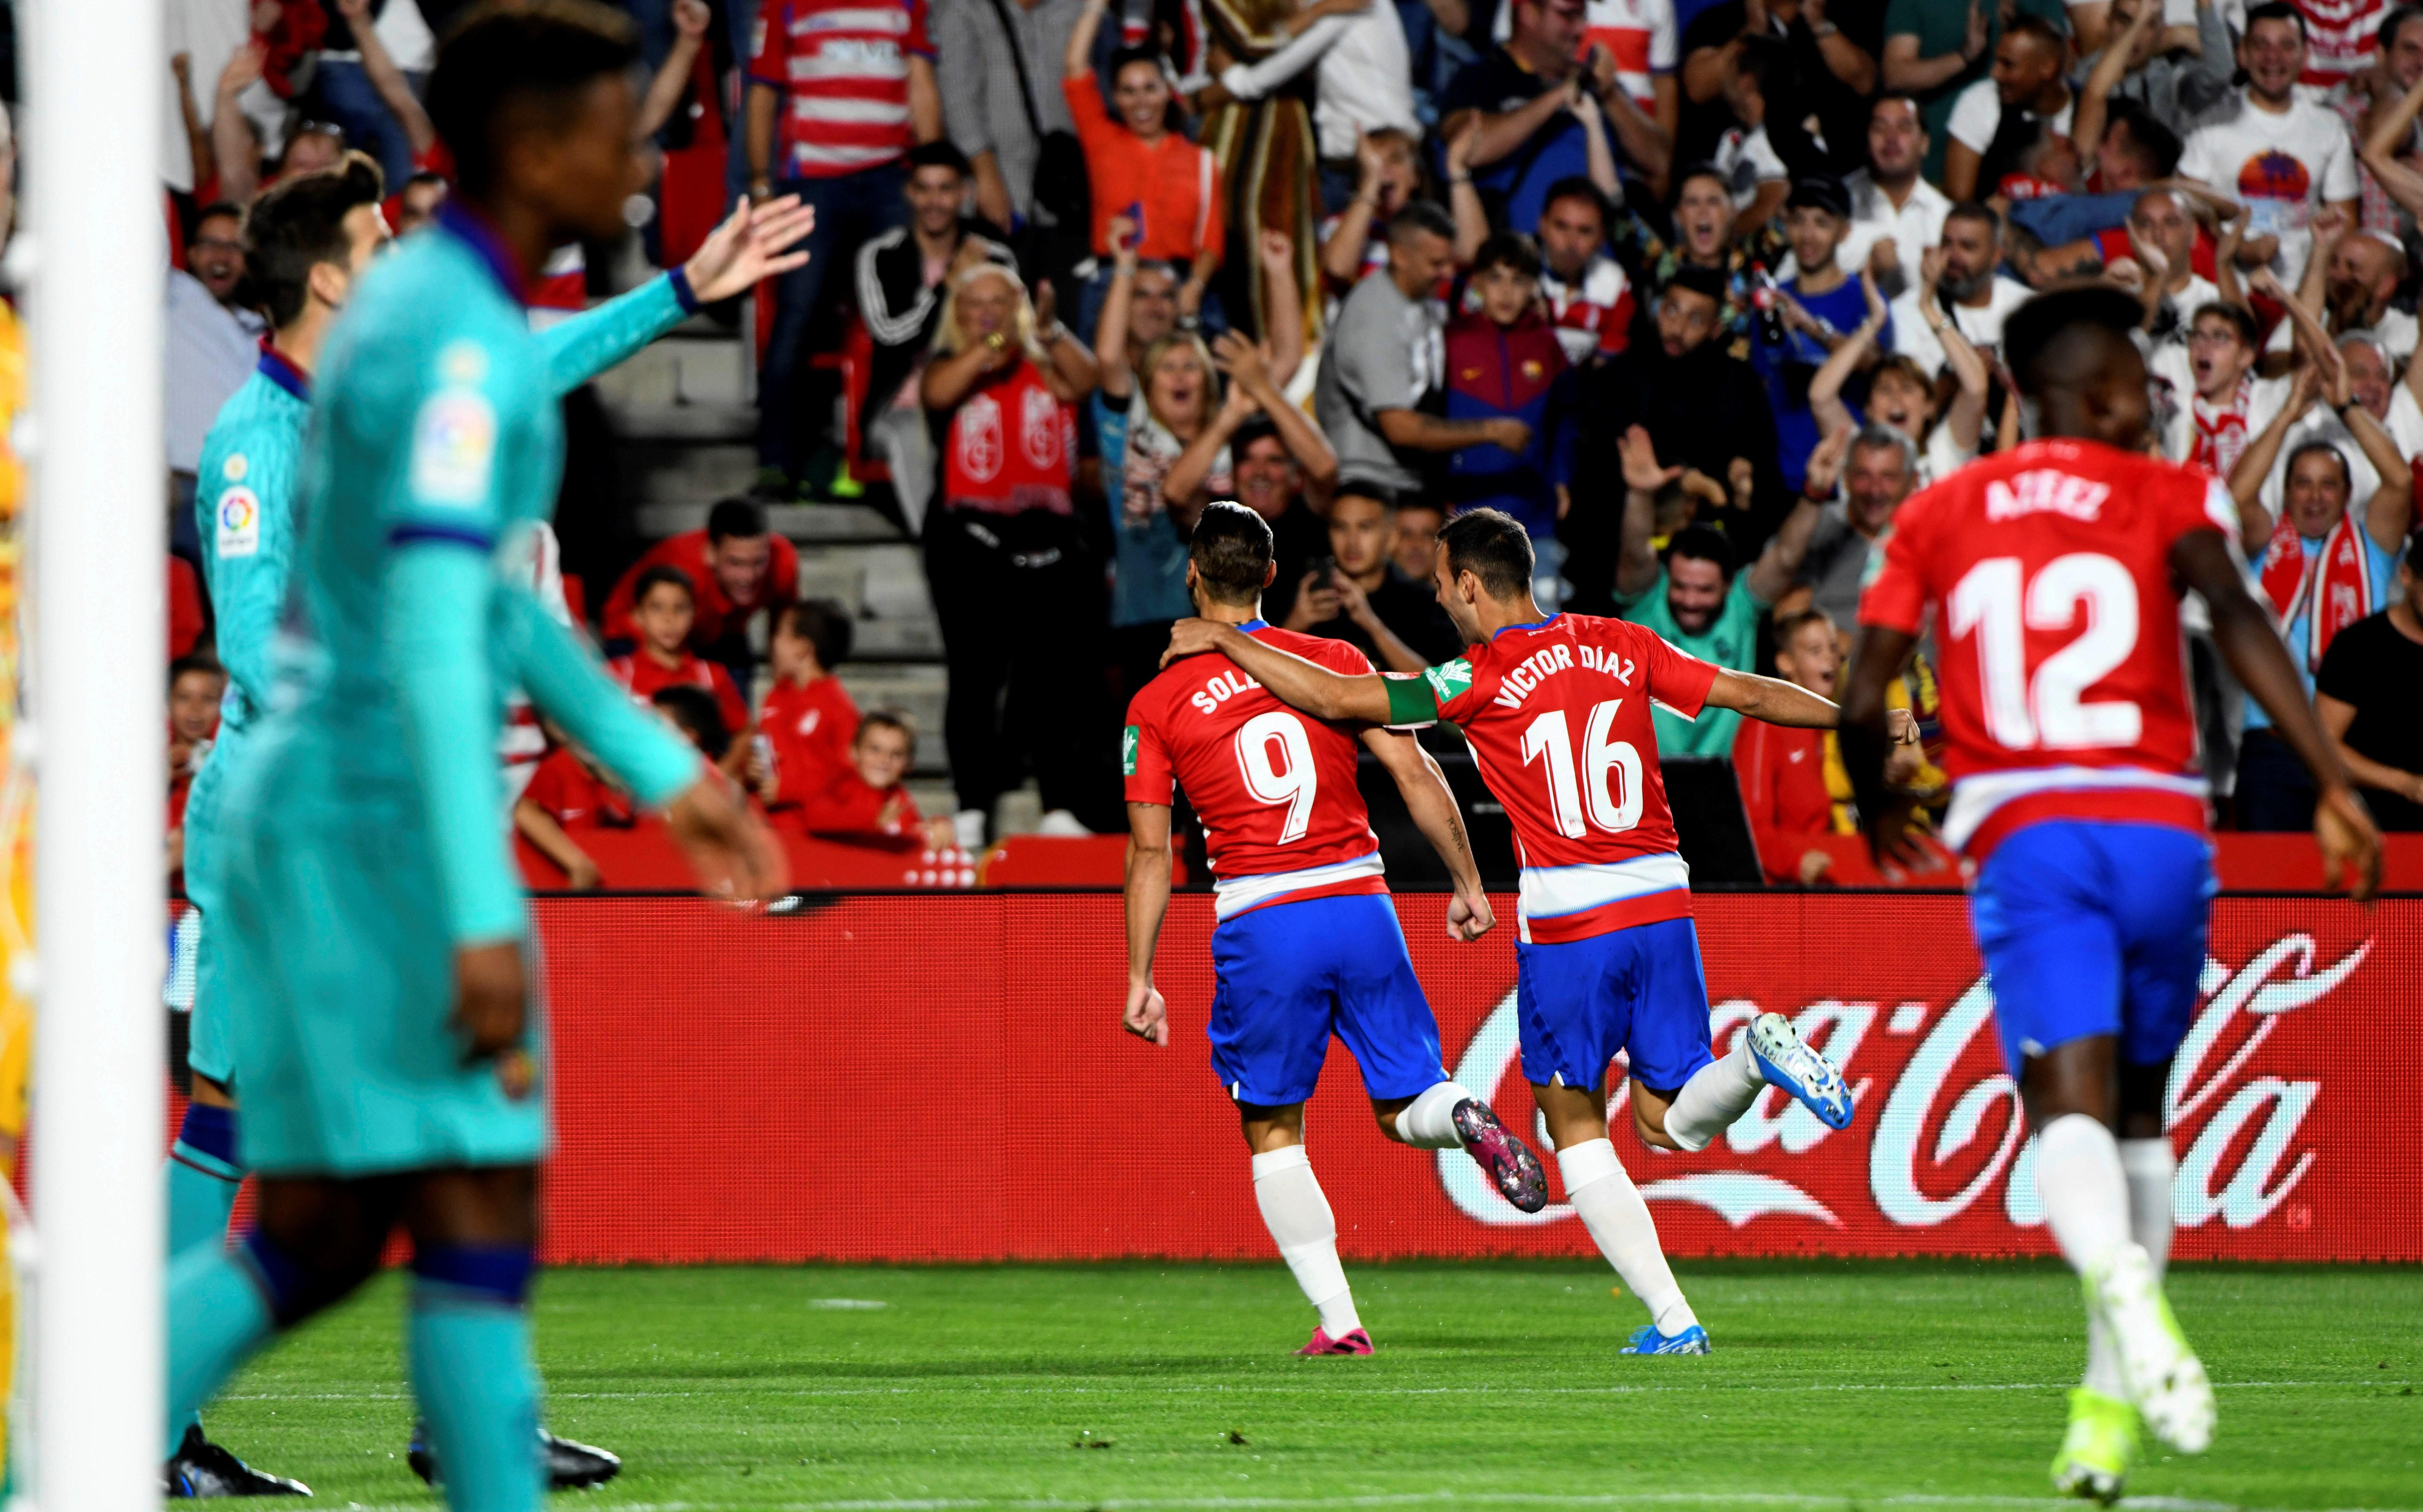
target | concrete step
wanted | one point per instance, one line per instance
(664, 421)
(686, 476)
(803, 524)
(679, 369)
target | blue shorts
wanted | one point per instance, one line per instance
(1638, 990)
(2093, 928)
(1290, 975)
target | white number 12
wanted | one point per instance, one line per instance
(2024, 713)
(1614, 810)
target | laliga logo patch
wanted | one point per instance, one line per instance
(454, 448)
(239, 521)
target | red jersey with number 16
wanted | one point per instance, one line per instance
(1558, 717)
(2048, 572)
(1275, 789)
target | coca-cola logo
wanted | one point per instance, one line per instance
(1947, 1129)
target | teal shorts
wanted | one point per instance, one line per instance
(337, 972)
(209, 1052)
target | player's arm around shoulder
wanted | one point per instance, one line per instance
(1293, 680)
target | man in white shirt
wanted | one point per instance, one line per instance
(1364, 83)
(2028, 64)
(2283, 156)
(1895, 213)
(1975, 297)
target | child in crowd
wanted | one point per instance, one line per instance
(1503, 360)
(662, 607)
(871, 803)
(1794, 785)
(568, 793)
(196, 683)
(807, 720)
(699, 715)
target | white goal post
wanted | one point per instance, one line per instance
(95, 79)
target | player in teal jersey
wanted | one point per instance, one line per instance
(374, 945)
(308, 239)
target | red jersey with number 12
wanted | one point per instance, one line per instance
(2048, 572)
(1274, 787)
(1558, 717)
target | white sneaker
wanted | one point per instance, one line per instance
(2165, 1380)
(1062, 825)
(968, 827)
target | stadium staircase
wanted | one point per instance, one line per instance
(684, 416)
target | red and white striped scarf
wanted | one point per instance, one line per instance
(2331, 588)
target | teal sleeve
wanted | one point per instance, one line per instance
(434, 636)
(564, 682)
(247, 536)
(585, 345)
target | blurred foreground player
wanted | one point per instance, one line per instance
(393, 1067)
(1555, 707)
(308, 241)
(1307, 943)
(2054, 573)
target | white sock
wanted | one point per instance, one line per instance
(2149, 1167)
(2085, 1194)
(1302, 1225)
(1618, 1220)
(1717, 1093)
(1428, 1123)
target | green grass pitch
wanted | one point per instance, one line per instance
(1143, 1385)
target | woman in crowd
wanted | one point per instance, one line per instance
(1014, 582)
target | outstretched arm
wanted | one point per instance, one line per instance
(2243, 633)
(388, 80)
(1867, 740)
(1147, 1016)
(1440, 819)
(1772, 700)
(748, 247)
(2385, 143)
(1292, 679)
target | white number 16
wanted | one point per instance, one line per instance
(1610, 778)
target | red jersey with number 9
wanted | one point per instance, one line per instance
(1558, 717)
(2047, 571)
(1275, 789)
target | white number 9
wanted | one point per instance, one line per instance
(1293, 785)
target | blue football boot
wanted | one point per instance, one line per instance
(1809, 1077)
(1646, 1340)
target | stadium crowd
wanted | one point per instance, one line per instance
(1696, 291)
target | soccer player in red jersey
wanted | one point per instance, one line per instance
(1307, 943)
(2054, 574)
(1555, 707)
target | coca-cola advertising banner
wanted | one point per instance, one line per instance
(945, 1078)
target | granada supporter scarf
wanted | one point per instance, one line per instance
(2332, 587)
(2220, 434)
(1012, 447)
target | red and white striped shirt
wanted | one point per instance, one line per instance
(843, 66)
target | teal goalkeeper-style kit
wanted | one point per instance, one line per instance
(245, 505)
(362, 843)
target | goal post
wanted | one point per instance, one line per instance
(95, 87)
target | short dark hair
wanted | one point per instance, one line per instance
(1708, 283)
(942, 152)
(2240, 319)
(1127, 56)
(298, 225)
(2347, 477)
(1493, 546)
(2041, 326)
(1696, 543)
(1256, 427)
(734, 516)
(1508, 249)
(2394, 22)
(656, 578)
(508, 58)
(2274, 10)
(821, 623)
(1423, 216)
(2028, 25)
(2159, 144)
(694, 710)
(423, 180)
(888, 719)
(1702, 169)
(194, 661)
(1976, 210)
(1575, 186)
(1904, 96)
(1231, 551)
(217, 209)
(1793, 624)
(1768, 62)
(1371, 488)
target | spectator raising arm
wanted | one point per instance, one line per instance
(1282, 306)
(1249, 369)
(197, 135)
(233, 147)
(1606, 105)
(1907, 72)
(2390, 511)
(690, 21)
(2255, 464)
(388, 80)
(1596, 150)
(1636, 566)
(1770, 577)
(1825, 389)
(2384, 146)
(1503, 135)
(2094, 109)
(1967, 415)
(1342, 246)
(1111, 331)
(1471, 215)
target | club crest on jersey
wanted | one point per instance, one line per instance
(1128, 741)
(1449, 679)
(239, 523)
(2045, 490)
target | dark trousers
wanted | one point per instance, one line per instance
(1020, 598)
(2275, 793)
(850, 209)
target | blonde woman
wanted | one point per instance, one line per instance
(1018, 591)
